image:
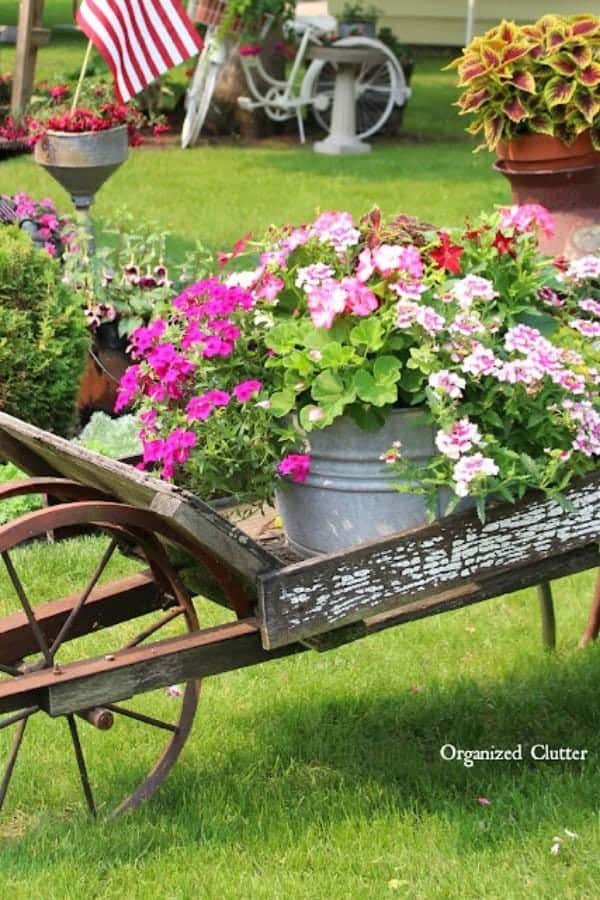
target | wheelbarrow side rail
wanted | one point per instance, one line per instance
(198, 524)
(104, 680)
(518, 545)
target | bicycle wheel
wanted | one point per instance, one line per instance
(378, 88)
(201, 90)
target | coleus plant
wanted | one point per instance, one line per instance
(526, 79)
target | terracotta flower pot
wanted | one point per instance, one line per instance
(566, 180)
(534, 152)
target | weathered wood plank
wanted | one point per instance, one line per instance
(476, 592)
(139, 669)
(320, 594)
(40, 453)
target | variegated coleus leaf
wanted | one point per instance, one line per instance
(590, 76)
(470, 69)
(514, 110)
(558, 91)
(492, 128)
(563, 63)
(588, 106)
(585, 26)
(524, 80)
(473, 100)
(582, 54)
(542, 123)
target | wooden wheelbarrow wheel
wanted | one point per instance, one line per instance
(38, 631)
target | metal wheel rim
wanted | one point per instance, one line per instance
(180, 729)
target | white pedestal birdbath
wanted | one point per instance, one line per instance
(348, 62)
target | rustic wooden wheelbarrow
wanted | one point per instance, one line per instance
(92, 655)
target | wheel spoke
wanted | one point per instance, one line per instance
(140, 717)
(152, 629)
(16, 746)
(37, 631)
(17, 717)
(83, 774)
(10, 670)
(64, 631)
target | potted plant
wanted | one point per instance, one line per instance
(40, 219)
(121, 286)
(533, 92)
(243, 17)
(358, 358)
(358, 19)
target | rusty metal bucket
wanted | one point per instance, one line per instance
(81, 163)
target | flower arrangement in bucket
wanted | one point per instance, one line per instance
(533, 91)
(351, 326)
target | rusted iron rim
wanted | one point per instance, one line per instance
(62, 488)
(95, 512)
(124, 522)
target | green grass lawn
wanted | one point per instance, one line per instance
(319, 776)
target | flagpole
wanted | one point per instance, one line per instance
(86, 60)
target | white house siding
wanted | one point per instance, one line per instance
(443, 23)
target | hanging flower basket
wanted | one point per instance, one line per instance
(212, 12)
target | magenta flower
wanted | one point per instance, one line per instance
(297, 465)
(246, 390)
(128, 387)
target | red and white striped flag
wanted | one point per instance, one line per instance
(139, 39)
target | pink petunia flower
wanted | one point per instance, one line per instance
(297, 465)
(246, 390)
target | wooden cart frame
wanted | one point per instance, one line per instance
(281, 606)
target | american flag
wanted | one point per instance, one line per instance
(139, 39)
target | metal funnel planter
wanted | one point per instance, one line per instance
(82, 162)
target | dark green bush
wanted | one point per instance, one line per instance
(43, 336)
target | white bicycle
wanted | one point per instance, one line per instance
(378, 87)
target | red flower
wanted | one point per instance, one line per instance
(448, 255)
(238, 248)
(504, 244)
(561, 263)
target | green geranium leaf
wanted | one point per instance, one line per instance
(543, 322)
(282, 402)
(379, 393)
(282, 338)
(335, 356)
(369, 334)
(386, 369)
(366, 417)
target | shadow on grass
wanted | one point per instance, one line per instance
(297, 764)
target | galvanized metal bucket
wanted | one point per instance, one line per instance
(349, 495)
